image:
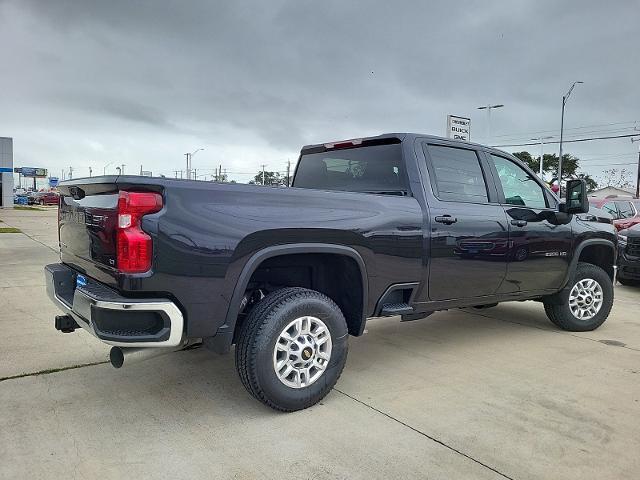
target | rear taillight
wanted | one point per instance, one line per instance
(135, 247)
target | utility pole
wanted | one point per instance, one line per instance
(541, 140)
(140, 170)
(488, 108)
(638, 173)
(263, 165)
(122, 171)
(288, 170)
(70, 173)
(187, 155)
(225, 178)
(90, 171)
(564, 102)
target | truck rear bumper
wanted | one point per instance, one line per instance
(114, 319)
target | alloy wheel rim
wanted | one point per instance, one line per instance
(586, 299)
(302, 352)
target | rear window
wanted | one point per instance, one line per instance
(369, 169)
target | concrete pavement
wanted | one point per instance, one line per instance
(496, 393)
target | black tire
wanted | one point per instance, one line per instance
(628, 282)
(258, 336)
(41, 202)
(557, 306)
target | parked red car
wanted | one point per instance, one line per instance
(43, 198)
(625, 211)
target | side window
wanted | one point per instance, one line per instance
(519, 187)
(625, 209)
(611, 209)
(457, 176)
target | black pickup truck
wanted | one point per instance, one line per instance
(392, 225)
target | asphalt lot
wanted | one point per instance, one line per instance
(496, 393)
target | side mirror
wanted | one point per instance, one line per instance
(576, 194)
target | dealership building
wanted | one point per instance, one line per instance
(6, 171)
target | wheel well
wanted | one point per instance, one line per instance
(337, 276)
(600, 255)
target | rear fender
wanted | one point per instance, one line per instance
(223, 339)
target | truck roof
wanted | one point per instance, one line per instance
(389, 138)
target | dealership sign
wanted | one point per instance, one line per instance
(458, 128)
(31, 171)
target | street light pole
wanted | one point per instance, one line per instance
(189, 158)
(104, 169)
(488, 108)
(564, 102)
(541, 140)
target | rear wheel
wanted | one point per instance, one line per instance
(292, 348)
(41, 202)
(588, 302)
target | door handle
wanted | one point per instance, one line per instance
(446, 219)
(519, 223)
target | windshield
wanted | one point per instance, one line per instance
(368, 169)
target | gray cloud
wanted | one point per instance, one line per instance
(252, 82)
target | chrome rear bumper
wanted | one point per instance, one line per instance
(114, 319)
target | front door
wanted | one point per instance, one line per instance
(539, 238)
(468, 234)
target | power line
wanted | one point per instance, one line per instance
(568, 141)
(522, 134)
(610, 164)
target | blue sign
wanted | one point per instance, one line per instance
(53, 182)
(33, 172)
(81, 281)
(6, 170)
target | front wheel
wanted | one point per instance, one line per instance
(292, 348)
(588, 302)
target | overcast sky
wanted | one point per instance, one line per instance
(84, 83)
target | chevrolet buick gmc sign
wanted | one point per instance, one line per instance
(458, 128)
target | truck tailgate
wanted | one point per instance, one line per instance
(87, 225)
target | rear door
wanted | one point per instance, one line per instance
(539, 239)
(468, 233)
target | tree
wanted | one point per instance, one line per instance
(533, 163)
(591, 183)
(270, 178)
(619, 178)
(570, 167)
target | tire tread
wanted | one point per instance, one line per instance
(251, 331)
(561, 316)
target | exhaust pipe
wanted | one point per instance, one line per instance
(120, 355)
